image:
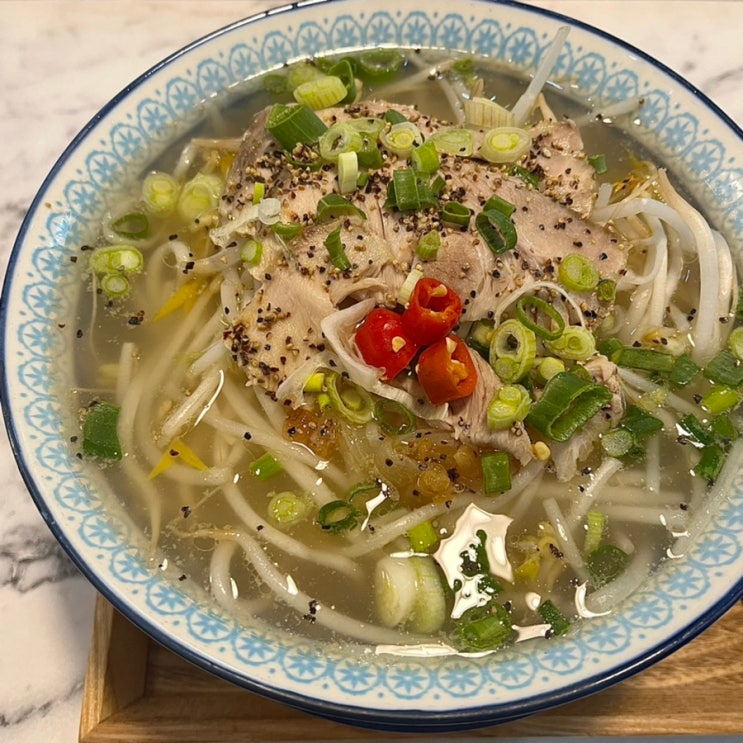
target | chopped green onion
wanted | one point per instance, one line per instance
(394, 117)
(115, 285)
(133, 226)
(618, 442)
(394, 590)
(577, 273)
(606, 290)
(334, 246)
(100, 437)
(352, 402)
(456, 213)
(331, 206)
(695, 431)
(483, 628)
(369, 126)
(345, 72)
(497, 230)
(684, 370)
(199, 195)
(338, 516)
(369, 155)
(287, 230)
(735, 342)
(401, 138)
(480, 337)
(509, 405)
(505, 144)
(423, 537)
(640, 423)
(512, 350)
(160, 193)
(301, 73)
(725, 368)
(610, 348)
(710, 463)
(361, 490)
(348, 171)
(265, 467)
(340, 137)
(567, 403)
(723, 429)
(606, 563)
(598, 163)
(251, 252)
(646, 359)
(552, 323)
(500, 205)
(595, 528)
(275, 83)
(486, 114)
(406, 189)
(549, 366)
(496, 472)
(415, 275)
(554, 617)
(425, 158)
(409, 592)
(393, 417)
(293, 125)
(116, 259)
(287, 508)
(576, 343)
(259, 191)
(527, 176)
(457, 142)
(316, 383)
(721, 399)
(321, 92)
(428, 246)
(379, 64)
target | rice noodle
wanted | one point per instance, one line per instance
(127, 360)
(529, 288)
(289, 593)
(670, 517)
(593, 491)
(194, 406)
(713, 502)
(223, 586)
(276, 538)
(672, 400)
(567, 543)
(610, 595)
(385, 534)
(526, 102)
(706, 326)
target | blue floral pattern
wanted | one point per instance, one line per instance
(672, 123)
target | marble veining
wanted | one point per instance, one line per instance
(61, 62)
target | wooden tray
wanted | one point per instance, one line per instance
(136, 691)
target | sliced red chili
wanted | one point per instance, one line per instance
(433, 311)
(446, 370)
(383, 342)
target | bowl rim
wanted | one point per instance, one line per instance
(398, 720)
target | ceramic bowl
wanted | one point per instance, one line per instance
(676, 124)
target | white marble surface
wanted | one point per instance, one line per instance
(59, 62)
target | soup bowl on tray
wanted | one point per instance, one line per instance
(414, 686)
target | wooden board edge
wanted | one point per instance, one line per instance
(116, 673)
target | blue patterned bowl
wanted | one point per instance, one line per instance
(677, 125)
